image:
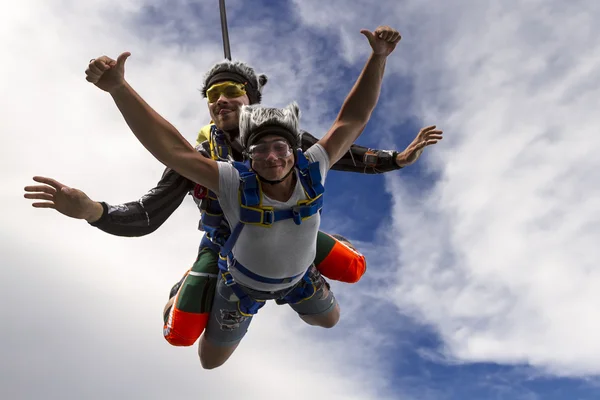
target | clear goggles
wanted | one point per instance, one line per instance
(230, 90)
(261, 151)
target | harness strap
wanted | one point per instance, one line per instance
(206, 242)
(246, 304)
(274, 281)
(266, 216)
(219, 146)
(302, 291)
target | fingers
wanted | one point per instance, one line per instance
(44, 205)
(97, 67)
(396, 37)
(430, 132)
(382, 31)
(388, 34)
(423, 144)
(40, 188)
(39, 196)
(49, 181)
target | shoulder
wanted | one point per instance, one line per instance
(204, 134)
(317, 153)
(229, 183)
(307, 140)
(226, 168)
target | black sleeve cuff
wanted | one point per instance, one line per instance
(102, 218)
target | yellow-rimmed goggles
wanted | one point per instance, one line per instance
(229, 89)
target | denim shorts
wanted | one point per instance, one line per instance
(227, 326)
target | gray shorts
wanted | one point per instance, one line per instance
(227, 326)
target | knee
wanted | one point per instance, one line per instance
(207, 363)
(328, 320)
(209, 359)
(212, 356)
(332, 318)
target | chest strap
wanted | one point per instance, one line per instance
(254, 213)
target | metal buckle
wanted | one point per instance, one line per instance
(228, 279)
(296, 214)
(268, 217)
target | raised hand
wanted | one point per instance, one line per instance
(383, 40)
(106, 73)
(68, 201)
(426, 137)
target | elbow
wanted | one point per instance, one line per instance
(174, 157)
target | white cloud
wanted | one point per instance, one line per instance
(500, 256)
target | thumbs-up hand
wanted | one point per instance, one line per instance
(106, 73)
(383, 40)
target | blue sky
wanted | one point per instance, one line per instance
(482, 278)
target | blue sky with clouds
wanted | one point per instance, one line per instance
(482, 279)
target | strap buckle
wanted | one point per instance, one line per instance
(228, 279)
(296, 216)
(268, 217)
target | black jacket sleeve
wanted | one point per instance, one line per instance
(144, 216)
(359, 159)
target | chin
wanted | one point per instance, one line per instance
(272, 177)
(228, 121)
(230, 126)
(270, 174)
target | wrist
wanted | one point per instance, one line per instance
(119, 89)
(95, 212)
(379, 56)
(400, 160)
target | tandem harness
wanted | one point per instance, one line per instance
(218, 233)
(254, 213)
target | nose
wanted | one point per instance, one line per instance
(222, 99)
(271, 156)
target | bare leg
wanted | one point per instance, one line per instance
(326, 320)
(322, 308)
(212, 356)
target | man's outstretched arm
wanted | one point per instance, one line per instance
(372, 161)
(362, 99)
(134, 218)
(156, 134)
(147, 214)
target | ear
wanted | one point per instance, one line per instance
(294, 109)
(262, 81)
